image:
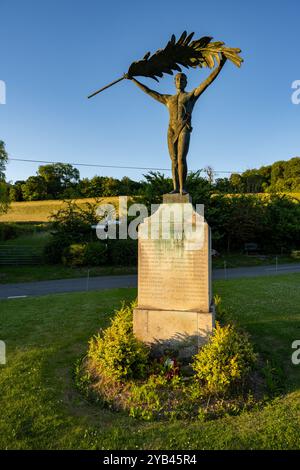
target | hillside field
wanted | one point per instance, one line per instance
(40, 211)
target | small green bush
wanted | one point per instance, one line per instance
(74, 255)
(115, 352)
(54, 249)
(96, 254)
(85, 254)
(123, 252)
(224, 360)
(222, 315)
(295, 254)
(8, 231)
(120, 372)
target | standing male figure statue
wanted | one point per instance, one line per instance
(180, 108)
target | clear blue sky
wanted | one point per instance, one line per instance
(55, 52)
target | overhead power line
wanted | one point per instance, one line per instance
(101, 166)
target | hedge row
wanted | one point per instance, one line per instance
(96, 253)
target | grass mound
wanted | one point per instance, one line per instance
(121, 372)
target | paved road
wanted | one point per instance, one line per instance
(25, 289)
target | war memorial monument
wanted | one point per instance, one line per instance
(175, 304)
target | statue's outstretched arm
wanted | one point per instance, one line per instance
(154, 94)
(202, 87)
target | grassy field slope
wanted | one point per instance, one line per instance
(41, 408)
(40, 211)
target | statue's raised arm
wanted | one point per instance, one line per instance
(202, 87)
(154, 94)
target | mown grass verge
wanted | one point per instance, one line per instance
(41, 408)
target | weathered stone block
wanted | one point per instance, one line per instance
(174, 275)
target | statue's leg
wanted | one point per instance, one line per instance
(173, 154)
(183, 148)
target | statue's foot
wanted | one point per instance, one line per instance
(183, 191)
(175, 191)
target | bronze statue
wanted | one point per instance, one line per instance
(180, 108)
(198, 53)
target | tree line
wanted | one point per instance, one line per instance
(62, 181)
(281, 176)
(235, 215)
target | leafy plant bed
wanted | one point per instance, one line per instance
(120, 372)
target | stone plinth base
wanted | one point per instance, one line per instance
(177, 198)
(174, 278)
(173, 329)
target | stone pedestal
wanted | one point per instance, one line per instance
(174, 278)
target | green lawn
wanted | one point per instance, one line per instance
(238, 260)
(47, 272)
(40, 408)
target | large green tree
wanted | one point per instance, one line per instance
(58, 177)
(16, 192)
(3, 160)
(34, 189)
(4, 200)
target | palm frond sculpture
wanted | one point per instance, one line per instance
(184, 52)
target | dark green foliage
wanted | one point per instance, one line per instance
(96, 253)
(3, 160)
(75, 222)
(281, 224)
(74, 241)
(8, 231)
(53, 181)
(199, 188)
(235, 220)
(74, 255)
(16, 191)
(157, 184)
(281, 176)
(272, 222)
(123, 252)
(70, 225)
(34, 189)
(4, 187)
(11, 230)
(152, 189)
(54, 249)
(61, 181)
(85, 254)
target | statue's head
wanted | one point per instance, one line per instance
(180, 81)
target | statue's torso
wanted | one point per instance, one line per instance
(180, 108)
